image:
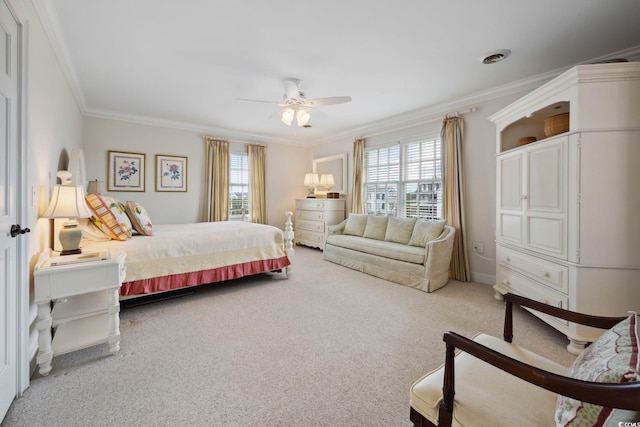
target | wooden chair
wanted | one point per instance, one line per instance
(497, 380)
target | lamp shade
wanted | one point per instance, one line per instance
(327, 180)
(287, 116)
(95, 187)
(311, 179)
(67, 201)
(302, 117)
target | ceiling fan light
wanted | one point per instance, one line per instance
(302, 117)
(287, 116)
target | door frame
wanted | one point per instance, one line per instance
(22, 203)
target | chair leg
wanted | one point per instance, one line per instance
(418, 420)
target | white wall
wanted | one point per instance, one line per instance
(284, 168)
(54, 128)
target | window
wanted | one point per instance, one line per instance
(238, 186)
(405, 180)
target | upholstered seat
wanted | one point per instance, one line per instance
(493, 382)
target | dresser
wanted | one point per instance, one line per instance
(312, 218)
(566, 227)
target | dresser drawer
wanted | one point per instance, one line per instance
(310, 215)
(311, 205)
(521, 285)
(310, 236)
(551, 274)
(310, 225)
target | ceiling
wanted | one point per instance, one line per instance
(185, 63)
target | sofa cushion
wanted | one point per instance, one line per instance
(355, 225)
(381, 248)
(476, 403)
(376, 227)
(425, 231)
(612, 358)
(399, 230)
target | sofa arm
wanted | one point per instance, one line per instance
(438, 258)
(336, 229)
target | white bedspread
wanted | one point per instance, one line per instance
(182, 248)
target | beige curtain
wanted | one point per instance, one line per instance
(256, 156)
(453, 206)
(216, 180)
(357, 201)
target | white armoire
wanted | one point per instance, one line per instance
(568, 206)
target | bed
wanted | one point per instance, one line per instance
(183, 255)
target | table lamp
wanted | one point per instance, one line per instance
(67, 201)
(311, 181)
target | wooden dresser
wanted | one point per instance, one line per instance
(312, 218)
(566, 229)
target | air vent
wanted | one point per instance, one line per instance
(495, 56)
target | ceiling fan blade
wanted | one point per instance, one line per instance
(257, 100)
(332, 100)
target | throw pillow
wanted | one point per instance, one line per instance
(399, 229)
(376, 227)
(105, 218)
(425, 231)
(355, 225)
(612, 358)
(139, 218)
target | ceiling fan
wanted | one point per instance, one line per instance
(296, 107)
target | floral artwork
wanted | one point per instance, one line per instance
(126, 171)
(171, 173)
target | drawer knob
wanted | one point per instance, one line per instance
(505, 281)
(544, 273)
(506, 259)
(524, 197)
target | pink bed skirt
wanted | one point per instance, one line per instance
(176, 281)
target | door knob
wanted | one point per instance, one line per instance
(16, 229)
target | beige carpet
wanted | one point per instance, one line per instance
(328, 347)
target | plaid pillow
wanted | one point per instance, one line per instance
(109, 216)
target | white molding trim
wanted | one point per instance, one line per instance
(411, 118)
(485, 279)
(51, 24)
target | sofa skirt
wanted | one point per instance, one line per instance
(404, 273)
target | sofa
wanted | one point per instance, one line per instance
(407, 251)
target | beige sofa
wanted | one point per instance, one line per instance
(407, 251)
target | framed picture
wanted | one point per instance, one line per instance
(126, 171)
(171, 173)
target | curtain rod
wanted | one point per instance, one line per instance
(430, 120)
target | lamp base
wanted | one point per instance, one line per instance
(311, 196)
(70, 237)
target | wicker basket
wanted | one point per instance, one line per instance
(526, 140)
(557, 124)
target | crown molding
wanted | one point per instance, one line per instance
(51, 24)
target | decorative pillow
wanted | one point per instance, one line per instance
(139, 218)
(399, 230)
(425, 231)
(91, 233)
(104, 209)
(612, 358)
(376, 227)
(355, 225)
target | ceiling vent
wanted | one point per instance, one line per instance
(495, 56)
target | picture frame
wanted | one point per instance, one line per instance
(126, 171)
(171, 173)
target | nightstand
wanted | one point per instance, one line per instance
(78, 304)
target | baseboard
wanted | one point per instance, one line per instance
(485, 279)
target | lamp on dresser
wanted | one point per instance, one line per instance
(311, 180)
(67, 201)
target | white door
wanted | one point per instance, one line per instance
(9, 82)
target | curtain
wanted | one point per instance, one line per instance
(453, 203)
(216, 205)
(357, 202)
(256, 155)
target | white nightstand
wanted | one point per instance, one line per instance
(80, 302)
